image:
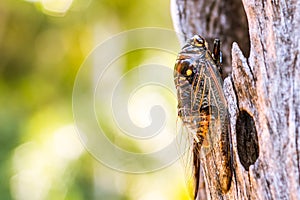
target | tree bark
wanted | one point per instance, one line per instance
(262, 90)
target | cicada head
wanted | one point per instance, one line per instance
(195, 44)
(198, 41)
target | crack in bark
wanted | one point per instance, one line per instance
(235, 93)
(252, 74)
(297, 153)
(296, 119)
(250, 185)
(232, 158)
(269, 195)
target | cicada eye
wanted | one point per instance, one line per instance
(185, 68)
(198, 41)
(188, 72)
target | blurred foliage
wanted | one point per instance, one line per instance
(41, 51)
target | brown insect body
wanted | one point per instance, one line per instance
(202, 106)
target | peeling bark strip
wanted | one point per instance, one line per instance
(265, 84)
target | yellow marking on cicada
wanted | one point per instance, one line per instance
(198, 41)
(204, 127)
(188, 72)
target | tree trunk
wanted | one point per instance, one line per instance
(262, 90)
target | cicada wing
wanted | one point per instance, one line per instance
(217, 104)
(218, 135)
(185, 141)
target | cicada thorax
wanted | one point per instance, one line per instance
(202, 107)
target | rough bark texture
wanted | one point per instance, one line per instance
(262, 90)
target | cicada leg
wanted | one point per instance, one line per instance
(217, 54)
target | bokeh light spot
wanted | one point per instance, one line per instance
(56, 7)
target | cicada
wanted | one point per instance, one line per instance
(203, 109)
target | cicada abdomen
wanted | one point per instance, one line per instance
(203, 110)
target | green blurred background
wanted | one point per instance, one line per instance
(42, 45)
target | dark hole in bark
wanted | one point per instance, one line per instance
(247, 142)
